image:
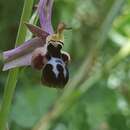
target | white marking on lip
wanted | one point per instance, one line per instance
(55, 61)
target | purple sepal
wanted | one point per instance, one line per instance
(45, 13)
(23, 49)
(21, 56)
(19, 62)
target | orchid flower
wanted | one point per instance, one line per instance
(21, 55)
(44, 51)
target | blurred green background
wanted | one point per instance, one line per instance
(105, 106)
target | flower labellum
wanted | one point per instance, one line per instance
(55, 73)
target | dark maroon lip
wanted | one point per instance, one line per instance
(50, 78)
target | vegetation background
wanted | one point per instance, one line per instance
(98, 45)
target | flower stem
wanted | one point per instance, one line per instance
(13, 74)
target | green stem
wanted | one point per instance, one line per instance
(101, 38)
(123, 53)
(13, 74)
(104, 30)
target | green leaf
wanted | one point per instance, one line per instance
(30, 104)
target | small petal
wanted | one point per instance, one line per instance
(45, 12)
(39, 32)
